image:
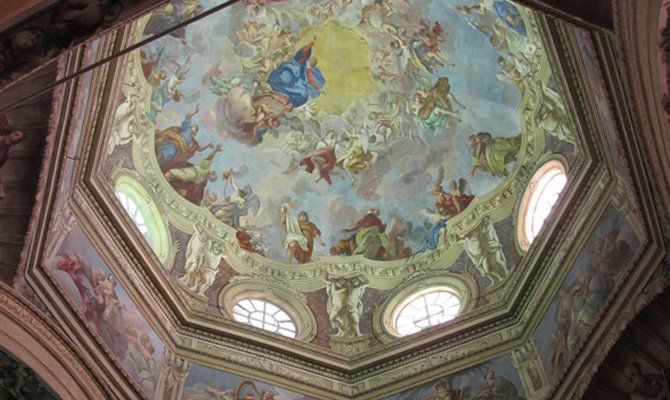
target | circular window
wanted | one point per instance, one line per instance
(426, 308)
(539, 199)
(135, 214)
(265, 315)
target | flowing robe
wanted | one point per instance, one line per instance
(371, 241)
(175, 145)
(324, 156)
(356, 159)
(511, 15)
(309, 231)
(192, 179)
(296, 80)
(496, 153)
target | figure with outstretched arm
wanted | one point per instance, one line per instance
(371, 219)
(298, 79)
(190, 181)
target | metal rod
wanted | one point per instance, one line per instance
(127, 50)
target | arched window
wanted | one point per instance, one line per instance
(145, 215)
(265, 315)
(426, 308)
(538, 201)
(135, 214)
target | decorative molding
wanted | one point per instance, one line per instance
(36, 341)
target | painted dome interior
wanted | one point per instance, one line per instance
(346, 148)
(342, 198)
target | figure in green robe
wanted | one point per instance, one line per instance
(492, 154)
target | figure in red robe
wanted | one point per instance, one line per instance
(322, 158)
(82, 276)
(451, 204)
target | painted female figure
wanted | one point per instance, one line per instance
(299, 79)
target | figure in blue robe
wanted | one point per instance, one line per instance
(299, 79)
(511, 15)
(433, 239)
(177, 144)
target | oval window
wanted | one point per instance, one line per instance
(135, 214)
(540, 197)
(265, 315)
(142, 210)
(429, 307)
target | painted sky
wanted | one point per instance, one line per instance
(400, 180)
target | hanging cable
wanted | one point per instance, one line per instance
(112, 57)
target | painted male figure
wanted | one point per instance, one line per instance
(8, 139)
(190, 181)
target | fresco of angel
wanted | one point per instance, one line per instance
(246, 118)
(323, 158)
(170, 15)
(168, 89)
(295, 146)
(437, 106)
(221, 84)
(454, 202)
(232, 207)
(424, 46)
(106, 313)
(447, 205)
(357, 155)
(151, 62)
(375, 13)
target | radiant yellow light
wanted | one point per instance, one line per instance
(344, 58)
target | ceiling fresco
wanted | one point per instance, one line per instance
(89, 283)
(337, 160)
(343, 130)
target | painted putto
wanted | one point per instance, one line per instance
(342, 128)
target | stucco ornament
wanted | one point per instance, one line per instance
(485, 251)
(203, 256)
(344, 304)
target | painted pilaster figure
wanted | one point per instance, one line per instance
(532, 373)
(485, 251)
(123, 128)
(344, 304)
(172, 376)
(553, 118)
(203, 256)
